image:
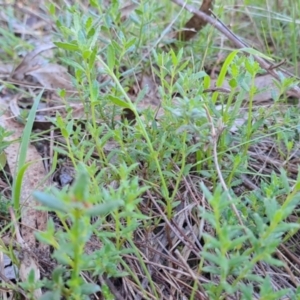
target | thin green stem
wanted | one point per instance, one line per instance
(140, 123)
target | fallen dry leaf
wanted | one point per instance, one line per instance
(49, 75)
(52, 76)
(31, 61)
(264, 84)
(127, 9)
(6, 69)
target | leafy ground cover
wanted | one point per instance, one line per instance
(149, 150)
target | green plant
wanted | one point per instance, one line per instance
(76, 210)
(235, 249)
(162, 205)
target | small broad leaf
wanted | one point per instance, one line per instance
(111, 57)
(91, 32)
(233, 83)
(92, 58)
(58, 273)
(174, 58)
(94, 3)
(86, 54)
(89, 288)
(206, 82)
(52, 9)
(2, 160)
(88, 24)
(67, 46)
(51, 295)
(50, 201)
(118, 102)
(104, 209)
(81, 186)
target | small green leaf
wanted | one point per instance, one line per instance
(179, 55)
(51, 202)
(86, 54)
(225, 66)
(92, 58)
(52, 9)
(93, 3)
(67, 46)
(104, 209)
(2, 160)
(62, 93)
(73, 64)
(88, 24)
(233, 83)
(89, 288)
(51, 296)
(57, 274)
(31, 276)
(91, 32)
(47, 237)
(111, 57)
(129, 44)
(174, 58)
(95, 91)
(206, 82)
(80, 188)
(118, 102)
